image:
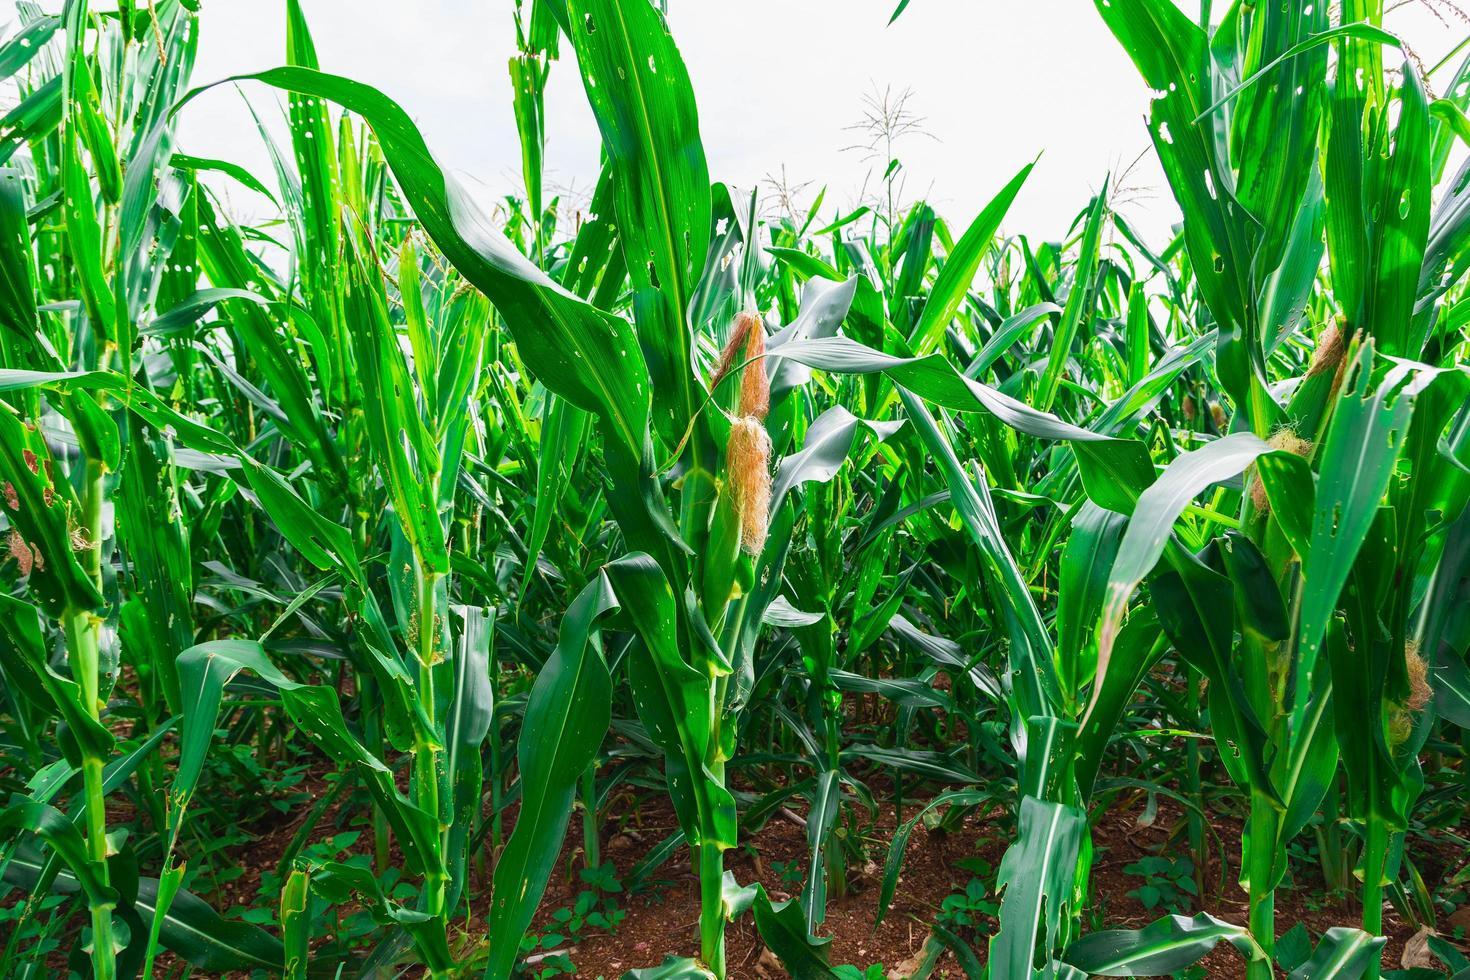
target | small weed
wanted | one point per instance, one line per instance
(965, 909)
(1166, 882)
(790, 872)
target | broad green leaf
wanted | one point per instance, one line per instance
(1343, 954)
(1172, 55)
(466, 726)
(672, 968)
(1152, 525)
(641, 95)
(1079, 304)
(206, 668)
(566, 719)
(1163, 947)
(960, 267)
(1368, 427)
(673, 700)
(898, 845)
(1115, 470)
(591, 358)
(1031, 664)
(782, 929)
(1037, 875)
(64, 839)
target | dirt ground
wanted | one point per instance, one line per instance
(666, 920)
(662, 918)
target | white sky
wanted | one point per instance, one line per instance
(778, 83)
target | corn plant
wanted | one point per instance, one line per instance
(491, 514)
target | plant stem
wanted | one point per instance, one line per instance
(497, 766)
(373, 730)
(80, 627)
(1375, 850)
(591, 846)
(426, 753)
(712, 908)
(1262, 889)
(1196, 791)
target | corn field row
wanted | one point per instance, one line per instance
(493, 519)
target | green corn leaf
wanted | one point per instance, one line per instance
(1152, 525)
(960, 267)
(206, 668)
(44, 515)
(1037, 875)
(187, 926)
(164, 893)
(23, 655)
(1173, 57)
(562, 433)
(1011, 331)
(938, 766)
(84, 234)
(296, 924)
(36, 115)
(64, 839)
(672, 968)
(566, 719)
(1291, 490)
(17, 51)
(471, 711)
(904, 691)
(320, 196)
(155, 539)
(1087, 559)
(829, 442)
(1139, 647)
(1031, 665)
(1357, 459)
(340, 883)
(200, 935)
(1343, 954)
(1115, 470)
(1195, 604)
(640, 93)
(820, 821)
(407, 454)
(17, 280)
(1275, 126)
(1079, 304)
(782, 928)
(1163, 947)
(898, 845)
(185, 161)
(194, 307)
(591, 358)
(673, 700)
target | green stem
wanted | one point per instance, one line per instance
(1196, 792)
(426, 753)
(80, 628)
(103, 956)
(1334, 856)
(373, 731)
(712, 868)
(1375, 851)
(1260, 860)
(712, 908)
(591, 846)
(497, 766)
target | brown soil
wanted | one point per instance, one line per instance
(662, 919)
